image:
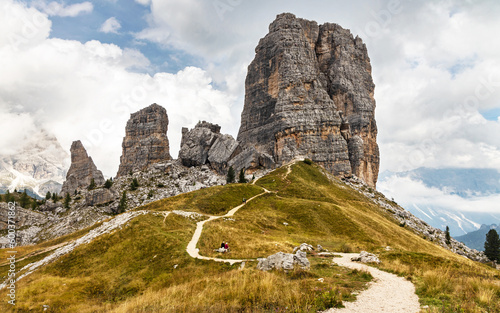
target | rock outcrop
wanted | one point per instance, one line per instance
(82, 170)
(284, 261)
(145, 140)
(309, 93)
(365, 257)
(100, 196)
(204, 144)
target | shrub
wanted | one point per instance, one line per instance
(308, 161)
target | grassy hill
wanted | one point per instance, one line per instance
(144, 266)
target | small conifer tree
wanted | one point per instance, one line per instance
(108, 183)
(242, 179)
(447, 235)
(92, 184)
(230, 175)
(48, 196)
(67, 200)
(24, 200)
(122, 206)
(492, 246)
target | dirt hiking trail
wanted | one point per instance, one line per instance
(387, 293)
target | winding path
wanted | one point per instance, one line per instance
(191, 247)
(387, 293)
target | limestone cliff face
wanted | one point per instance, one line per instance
(309, 93)
(81, 171)
(145, 141)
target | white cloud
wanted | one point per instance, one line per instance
(111, 25)
(411, 193)
(61, 9)
(144, 2)
(84, 91)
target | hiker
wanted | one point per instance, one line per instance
(226, 247)
(244, 200)
(222, 245)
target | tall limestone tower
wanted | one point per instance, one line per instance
(310, 93)
(145, 141)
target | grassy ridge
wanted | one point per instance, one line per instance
(214, 201)
(144, 267)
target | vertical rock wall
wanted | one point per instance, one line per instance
(145, 141)
(309, 93)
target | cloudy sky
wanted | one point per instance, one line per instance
(79, 68)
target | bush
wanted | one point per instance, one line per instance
(308, 161)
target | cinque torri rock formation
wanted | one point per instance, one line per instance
(309, 93)
(145, 141)
(81, 171)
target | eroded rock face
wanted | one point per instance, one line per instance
(204, 144)
(81, 171)
(145, 140)
(309, 93)
(100, 197)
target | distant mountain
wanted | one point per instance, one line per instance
(447, 184)
(475, 239)
(39, 165)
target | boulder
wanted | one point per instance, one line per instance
(365, 257)
(284, 261)
(303, 247)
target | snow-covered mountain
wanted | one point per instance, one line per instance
(39, 164)
(462, 199)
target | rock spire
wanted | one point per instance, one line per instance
(145, 140)
(81, 171)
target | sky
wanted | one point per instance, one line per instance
(79, 69)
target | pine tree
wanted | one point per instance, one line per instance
(24, 200)
(67, 200)
(492, 246)
(122, 206)
(108, 183)
(8, 196)
(242, 179)
(134, 184)
(48, 196)
(92, 184)
(34, 204)
(230, 175)
(447, 235)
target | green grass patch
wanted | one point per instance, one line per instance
(215, 200)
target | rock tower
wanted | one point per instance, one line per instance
(81, 171)
(310, 93)
(145, 141)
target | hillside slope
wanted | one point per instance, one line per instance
(143, 266)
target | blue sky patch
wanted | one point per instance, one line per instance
(492, 114)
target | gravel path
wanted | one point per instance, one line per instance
(388, 292)
(195, 252)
